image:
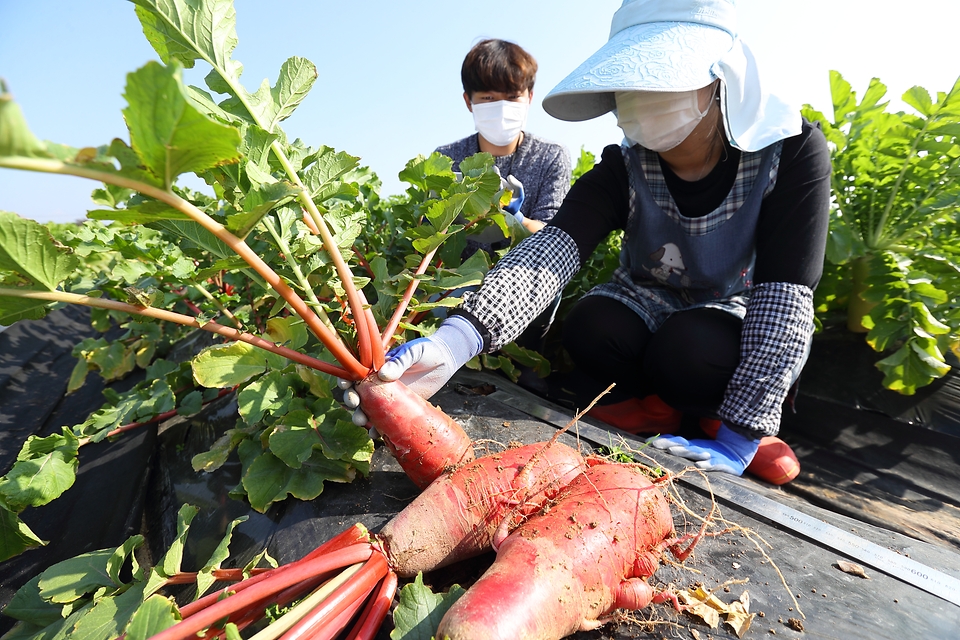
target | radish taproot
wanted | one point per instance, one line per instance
(424, 440)
(565, 570)
(457, 515)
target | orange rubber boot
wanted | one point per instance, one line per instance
(649, 415)
(775, 461)
(710, 426)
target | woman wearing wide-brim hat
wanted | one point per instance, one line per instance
(722, 191)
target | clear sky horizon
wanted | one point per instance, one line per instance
(389, 85)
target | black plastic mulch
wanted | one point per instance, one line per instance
(873, 454)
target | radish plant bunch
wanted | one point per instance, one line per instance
(283, 262)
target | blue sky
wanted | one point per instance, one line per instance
(389, 86)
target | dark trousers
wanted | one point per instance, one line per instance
(687, 362)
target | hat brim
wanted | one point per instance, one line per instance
(657, 56)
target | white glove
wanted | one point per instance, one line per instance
(425, 364)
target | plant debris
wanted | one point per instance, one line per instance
(710, 608)
(852, 569)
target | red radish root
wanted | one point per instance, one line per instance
(563, 571)
(424, 440)
(456, 516)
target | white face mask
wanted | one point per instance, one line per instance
(500, 122)
(658, 120)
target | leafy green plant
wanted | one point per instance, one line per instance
(418, 614)
(102, 594)
(893, 252)
(283, 261)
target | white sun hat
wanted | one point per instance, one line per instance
(678, 45)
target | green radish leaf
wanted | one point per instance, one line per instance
(191, 404)
(919, 99)
(120, 555)
(15, 536)
(219, 452)
(293, 438)
(419, 612)
(259, 203)
(268, 394)
(443, 212)
(187, 31)
(16, 139)
(192, 231)
(224, 366)
(30, 631)
(528, 358)
(263, 557)
(269, 106)
(232, 632)
(109, 615)
(72, 579)
(330, 165)
(320, 384)
(28, 250)
(481, 192)
(143, 214)
(432, 173)
(38, 481)
(27, 605)
(169, 135)
(267, 479)
(58, 630)
(290, 331)
(37, 447)
(205, 577)
(170, 564)
(14, 309)
(156, 614)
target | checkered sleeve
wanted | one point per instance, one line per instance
(776, 332)
(522, 284)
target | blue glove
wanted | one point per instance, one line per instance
(516, 189)
(730, 453)
(425, 364)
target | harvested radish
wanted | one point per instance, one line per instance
(566, 570)
(425, 441)
(457, 515)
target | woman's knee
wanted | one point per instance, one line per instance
(692, 357)
(602, 333)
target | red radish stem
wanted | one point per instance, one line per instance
(376, 610)
(338, 624)
(387, 337)
(170, 316)
(276, 582)
(423, 439)
(321, 592)
(340, 600)
(566, 570)
(354, 535)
